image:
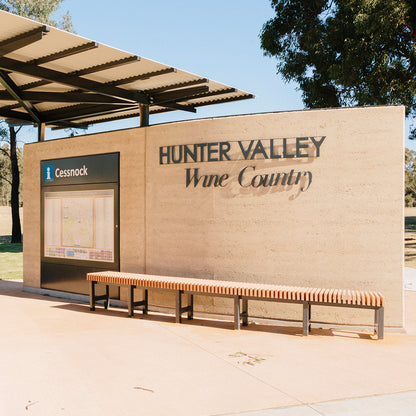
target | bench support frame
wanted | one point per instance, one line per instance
(240, 310)
(95, 298)
(132, 303)
(180, 310)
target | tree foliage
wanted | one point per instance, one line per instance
(5, 173)
(346, 52)
(410, 178)
(39, 10)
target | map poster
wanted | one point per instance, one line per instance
(79, 225)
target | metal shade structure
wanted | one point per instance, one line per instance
(49, 77)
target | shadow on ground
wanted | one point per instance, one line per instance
(273, 328)
(11, 247)
(15, 289)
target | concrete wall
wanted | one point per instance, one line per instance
(341, 226)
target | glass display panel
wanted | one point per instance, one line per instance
(79, 225)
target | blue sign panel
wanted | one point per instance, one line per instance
(48, 173)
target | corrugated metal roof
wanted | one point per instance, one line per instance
(63, 80)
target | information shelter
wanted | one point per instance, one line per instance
(302, 198)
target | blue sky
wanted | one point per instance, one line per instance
(218, 40)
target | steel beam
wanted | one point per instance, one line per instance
(22, 40)
(144, 115)
(71, 80)
(15, 115)
(176, 86)
(78, 112)
(144, 76)
(13, 90)
(41, 132)
(64, 53)
(179, 95)
(63, 97)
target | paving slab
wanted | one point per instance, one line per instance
(59, 358)
(402, 404)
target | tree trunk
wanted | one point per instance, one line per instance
(16, 229)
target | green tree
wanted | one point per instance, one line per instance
(410, 178)
(39, 10)
(346, 52)
(5, 173)
(42, 11)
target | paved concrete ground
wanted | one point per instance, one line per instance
(58, 358)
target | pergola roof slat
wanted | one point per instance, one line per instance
(50, 79)
(64, 53)
(179, 95)
(81, 111)
(177, 85)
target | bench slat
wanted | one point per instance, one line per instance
(295, 293)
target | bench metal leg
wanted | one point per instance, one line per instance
(132, 303)
(107, 299)
(94, 298)
(92, 295)
(178, 296)
(379, 322)
(146, 302)
(190, 307)
(237, 312)
(306, 318)
(244, 312)
(130, 300)
(180, 310)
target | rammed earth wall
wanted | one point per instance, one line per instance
(305, 198)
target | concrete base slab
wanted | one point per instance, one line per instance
(58, 357)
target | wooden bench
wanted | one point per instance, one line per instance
(239, 291)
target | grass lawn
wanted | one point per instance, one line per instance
(11, 261)
(11, 255)
(410, 238)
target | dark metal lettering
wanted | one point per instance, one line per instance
(202, 154)
(272, 154)
(212, 150)
(245, 152)
(189, 178)
(309, 175)
(187, 152)
(289, 180)
(300, 145)
(284, 178)
(164, 154)
(260, 181)
(259, 149)
(210, 180)
(223, 178)
(286, 155)
(224, 149)
(179, 158)
(318, 144)
(276, 181)
(241, 174)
